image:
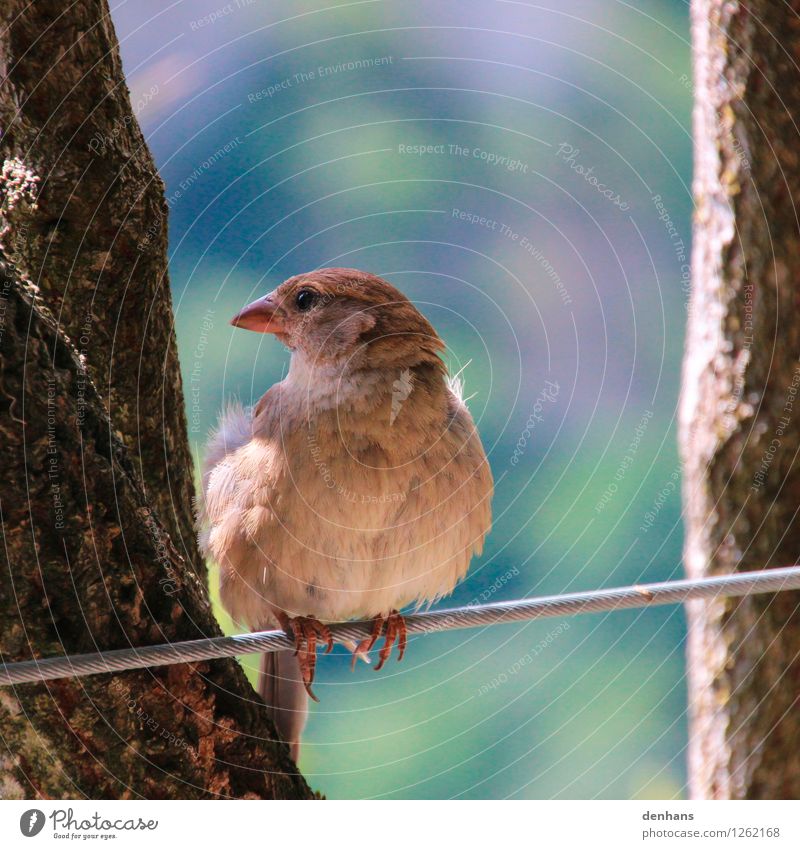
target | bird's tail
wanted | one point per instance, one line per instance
(281, 686)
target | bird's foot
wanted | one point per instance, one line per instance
(307, 632)
(396, 632)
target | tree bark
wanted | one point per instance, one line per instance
(95, 241)
(740, 412)
(89, 505)
(89, 566)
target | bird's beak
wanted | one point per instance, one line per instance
(260, 316)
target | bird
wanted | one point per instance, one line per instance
(354, 488)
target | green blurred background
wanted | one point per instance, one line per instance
(285, 135)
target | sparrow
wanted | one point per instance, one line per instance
(355, 487)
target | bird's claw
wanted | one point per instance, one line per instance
(363, 648)
(396, 632)
(307, 632)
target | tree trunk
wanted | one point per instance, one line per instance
(95, 242)
(740, 411)
(89, 505)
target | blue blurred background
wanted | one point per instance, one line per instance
(522, 171)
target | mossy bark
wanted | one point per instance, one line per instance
(740, 411)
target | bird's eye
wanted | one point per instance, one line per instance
(306, 298)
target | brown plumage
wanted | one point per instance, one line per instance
(355, 487)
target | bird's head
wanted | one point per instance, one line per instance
(345, 316)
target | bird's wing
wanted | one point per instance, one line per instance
(234, 428)
(445, 515)
(473, 474)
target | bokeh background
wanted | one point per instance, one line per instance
(544, 229)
